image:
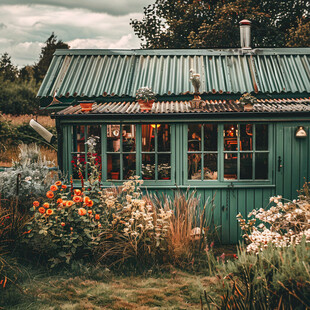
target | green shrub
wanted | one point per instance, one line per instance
(276, 278)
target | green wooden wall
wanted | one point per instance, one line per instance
(233, 197)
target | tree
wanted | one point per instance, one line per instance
(7, 70)
(299, 36)
(51, 44)
(215, 23)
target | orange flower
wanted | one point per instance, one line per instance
(58, 183)
(53, 188)
(77, 192)
(36, 203)
(86, 199)
(59, 200)
(69, 203)
(90, 211)
(49, 212)
(90, 203)
(63, 186)
(97, 217)
(50, 194)
(62, 224)
(82, 211)
(42, 210)
(76, 198)
(46, 205)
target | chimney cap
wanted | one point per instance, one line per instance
(245, 22)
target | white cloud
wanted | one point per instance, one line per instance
(26, 28)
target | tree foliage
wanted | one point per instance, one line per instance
(19, 87)
(215, 23)
(47, 51)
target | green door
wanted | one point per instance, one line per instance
(292, 159)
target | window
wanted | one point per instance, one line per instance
(124, 150)
(202, 152)
(225, 152)
(156, 152)
(79, 149)
(246, 152)
(121, 151)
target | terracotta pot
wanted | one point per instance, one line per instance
(115, 175)
(147, 178)
(166, 178)
(145, 105)
(86, 106)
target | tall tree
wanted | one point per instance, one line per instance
(214, 23)
(7, 70)
(46, 56)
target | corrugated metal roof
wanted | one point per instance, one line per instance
(96, 73)
(208, 106)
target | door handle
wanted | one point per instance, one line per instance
(279, 164)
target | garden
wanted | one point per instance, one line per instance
(64, 246)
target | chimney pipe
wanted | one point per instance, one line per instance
(245, 34)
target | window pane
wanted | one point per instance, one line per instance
(261, 166)
(261, 136)
(164, 167)
(129, 138)
(129, 166)
(246, 163)
(80, 139)
(163, 135)
(194, 166)
(246, 137)
(210, 167)
(210, 137)
(95, 131)
(230, 166)
(113, 138)
(148, 166)
(230, 137)
(113, 169)
(194, 137)
(78, 164)
(148, 138)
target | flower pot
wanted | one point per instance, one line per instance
(86, 106)
(145, 105)
(165, 178)
(147, 178)
(115, 175)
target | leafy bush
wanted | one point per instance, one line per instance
(284, 224)
(275, 278)
(29, 178)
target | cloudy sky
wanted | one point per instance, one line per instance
(25, 25)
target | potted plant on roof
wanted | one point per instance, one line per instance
(146, 98)
(248, 101)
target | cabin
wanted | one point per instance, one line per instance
(241, 136)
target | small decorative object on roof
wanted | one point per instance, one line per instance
(195, 79)
(86, 105)
(145, 97)
(248, 101)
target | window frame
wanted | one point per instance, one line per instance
(68, 141)
(221, 182)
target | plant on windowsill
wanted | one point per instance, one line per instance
(148, 172)
(248, 101)
(164, 171)
(146, 98)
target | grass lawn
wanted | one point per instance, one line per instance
(174, 290)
